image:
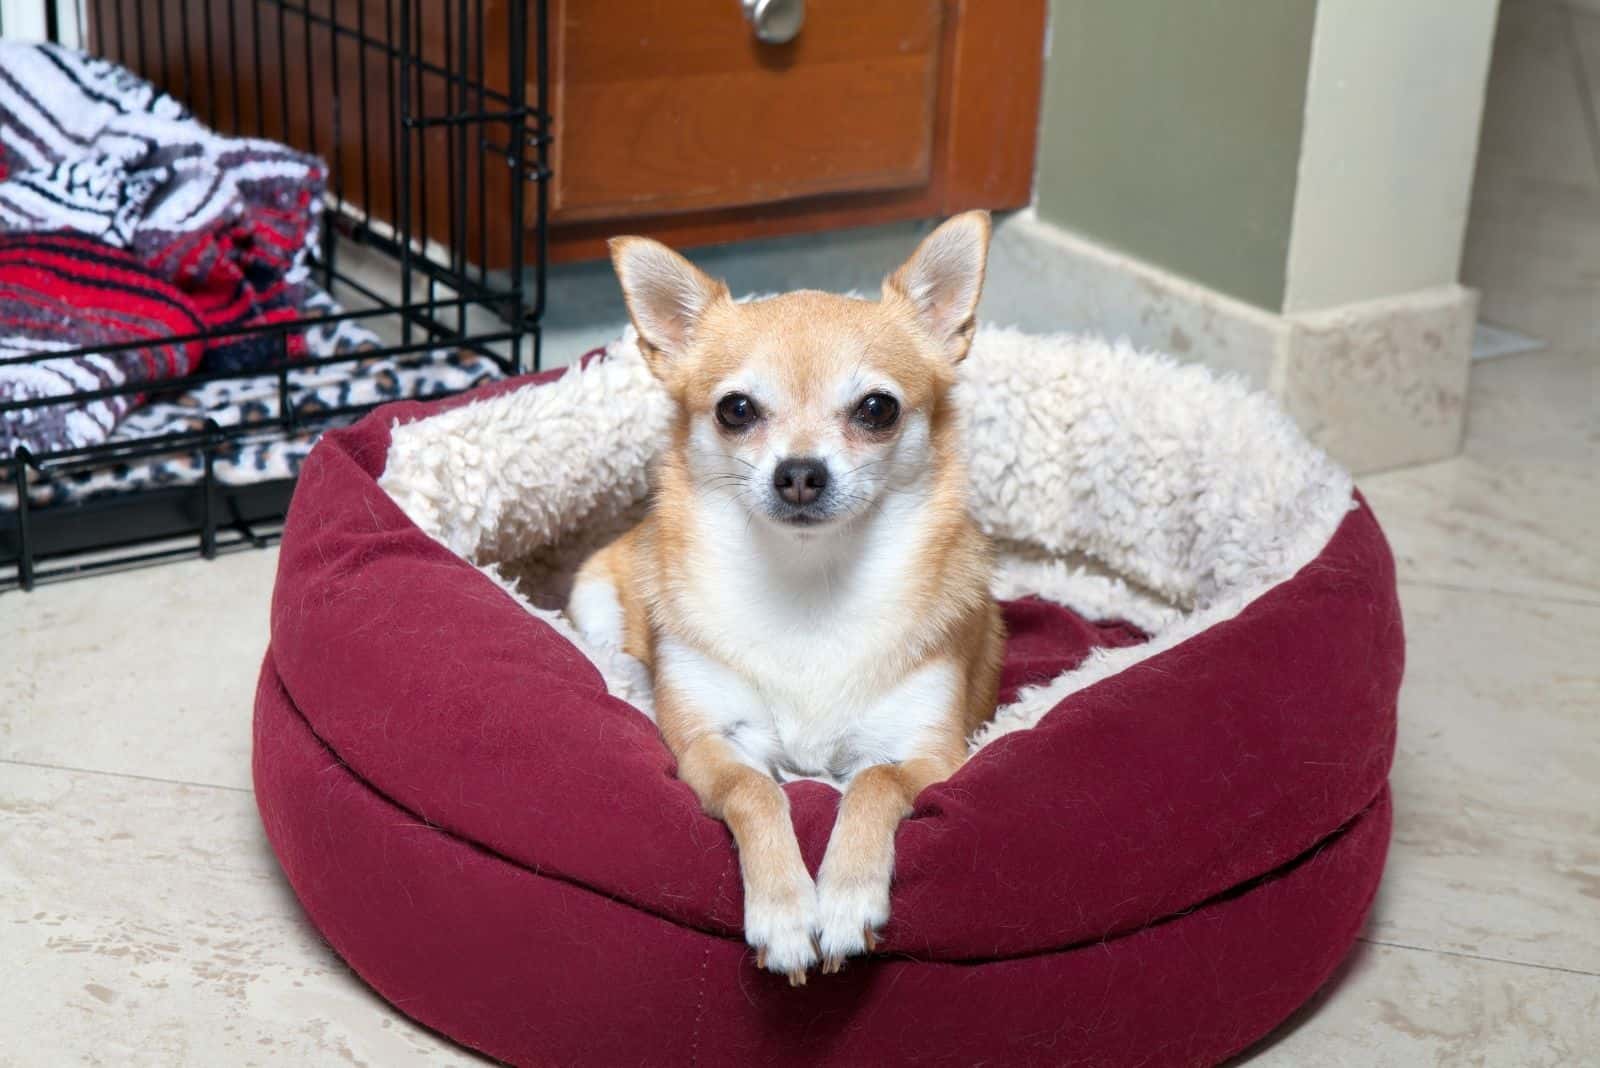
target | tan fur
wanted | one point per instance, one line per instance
(617, 564)
(802, 339)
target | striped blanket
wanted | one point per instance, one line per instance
(59, 292)
(120, 184)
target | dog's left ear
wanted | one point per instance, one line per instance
(943, 280)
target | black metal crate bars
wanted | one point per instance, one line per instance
(431, 118)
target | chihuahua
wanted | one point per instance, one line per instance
(808, 590)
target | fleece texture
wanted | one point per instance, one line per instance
(1165, 842)
(1124, 485)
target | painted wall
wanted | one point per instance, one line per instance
(1393, 107)
(1172, 131)
(1297, 154)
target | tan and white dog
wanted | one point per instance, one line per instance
(808, 590)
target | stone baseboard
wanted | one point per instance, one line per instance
(1378, 384)
(1382, 383)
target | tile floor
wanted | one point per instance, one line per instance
(145, 922)
(143, 919)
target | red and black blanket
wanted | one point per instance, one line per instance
(123, 219)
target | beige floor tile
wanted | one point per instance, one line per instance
(1538, 407)
(147, 672)
(151, 926)
(1401, 1008)
(1586, 40)
(1496, 848)
(1534, 255)
(1500, 525)
(1535, 116)
(1519, 510)
(1533, 242)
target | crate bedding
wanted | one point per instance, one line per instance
(123, 219)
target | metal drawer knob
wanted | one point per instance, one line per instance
(775, 21)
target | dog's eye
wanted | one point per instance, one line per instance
(877, 411)
(737, 411)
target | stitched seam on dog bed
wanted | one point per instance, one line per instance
(1235, 891)
(1246, 887)
(699, 1009)
(1347, 937)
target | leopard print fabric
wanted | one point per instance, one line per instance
(269, 454)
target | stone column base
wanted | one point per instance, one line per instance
(1377, 384)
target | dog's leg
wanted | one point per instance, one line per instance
(853, 883)
(697, 699)
(780, 900)
(608, 598)
(595, 606)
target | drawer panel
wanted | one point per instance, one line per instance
(665, 106)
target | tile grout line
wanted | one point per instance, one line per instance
(1580, 74)
(1479, 957)
(125, 775)
(1540, 598)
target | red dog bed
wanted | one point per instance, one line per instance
(1167, 840)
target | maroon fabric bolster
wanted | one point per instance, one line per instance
(536, 970)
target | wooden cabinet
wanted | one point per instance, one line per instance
(672, 120)
(675, 106)
(668, 117)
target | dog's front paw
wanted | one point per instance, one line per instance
(778, 925)
(850, 909)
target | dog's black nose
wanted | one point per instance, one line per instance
(800, 481)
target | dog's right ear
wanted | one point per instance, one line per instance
(666, 296)
(943, 280)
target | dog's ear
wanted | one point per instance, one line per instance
(943, 280)
(665, 293)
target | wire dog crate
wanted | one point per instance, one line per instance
(432, 120)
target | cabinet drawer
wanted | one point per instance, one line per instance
(666, 106)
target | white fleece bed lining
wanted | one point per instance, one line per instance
(1119, 483)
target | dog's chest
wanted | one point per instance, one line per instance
(820, 695)
(822, 721)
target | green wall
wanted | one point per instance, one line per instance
(1171, 130)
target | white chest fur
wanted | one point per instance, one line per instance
(802, 650)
